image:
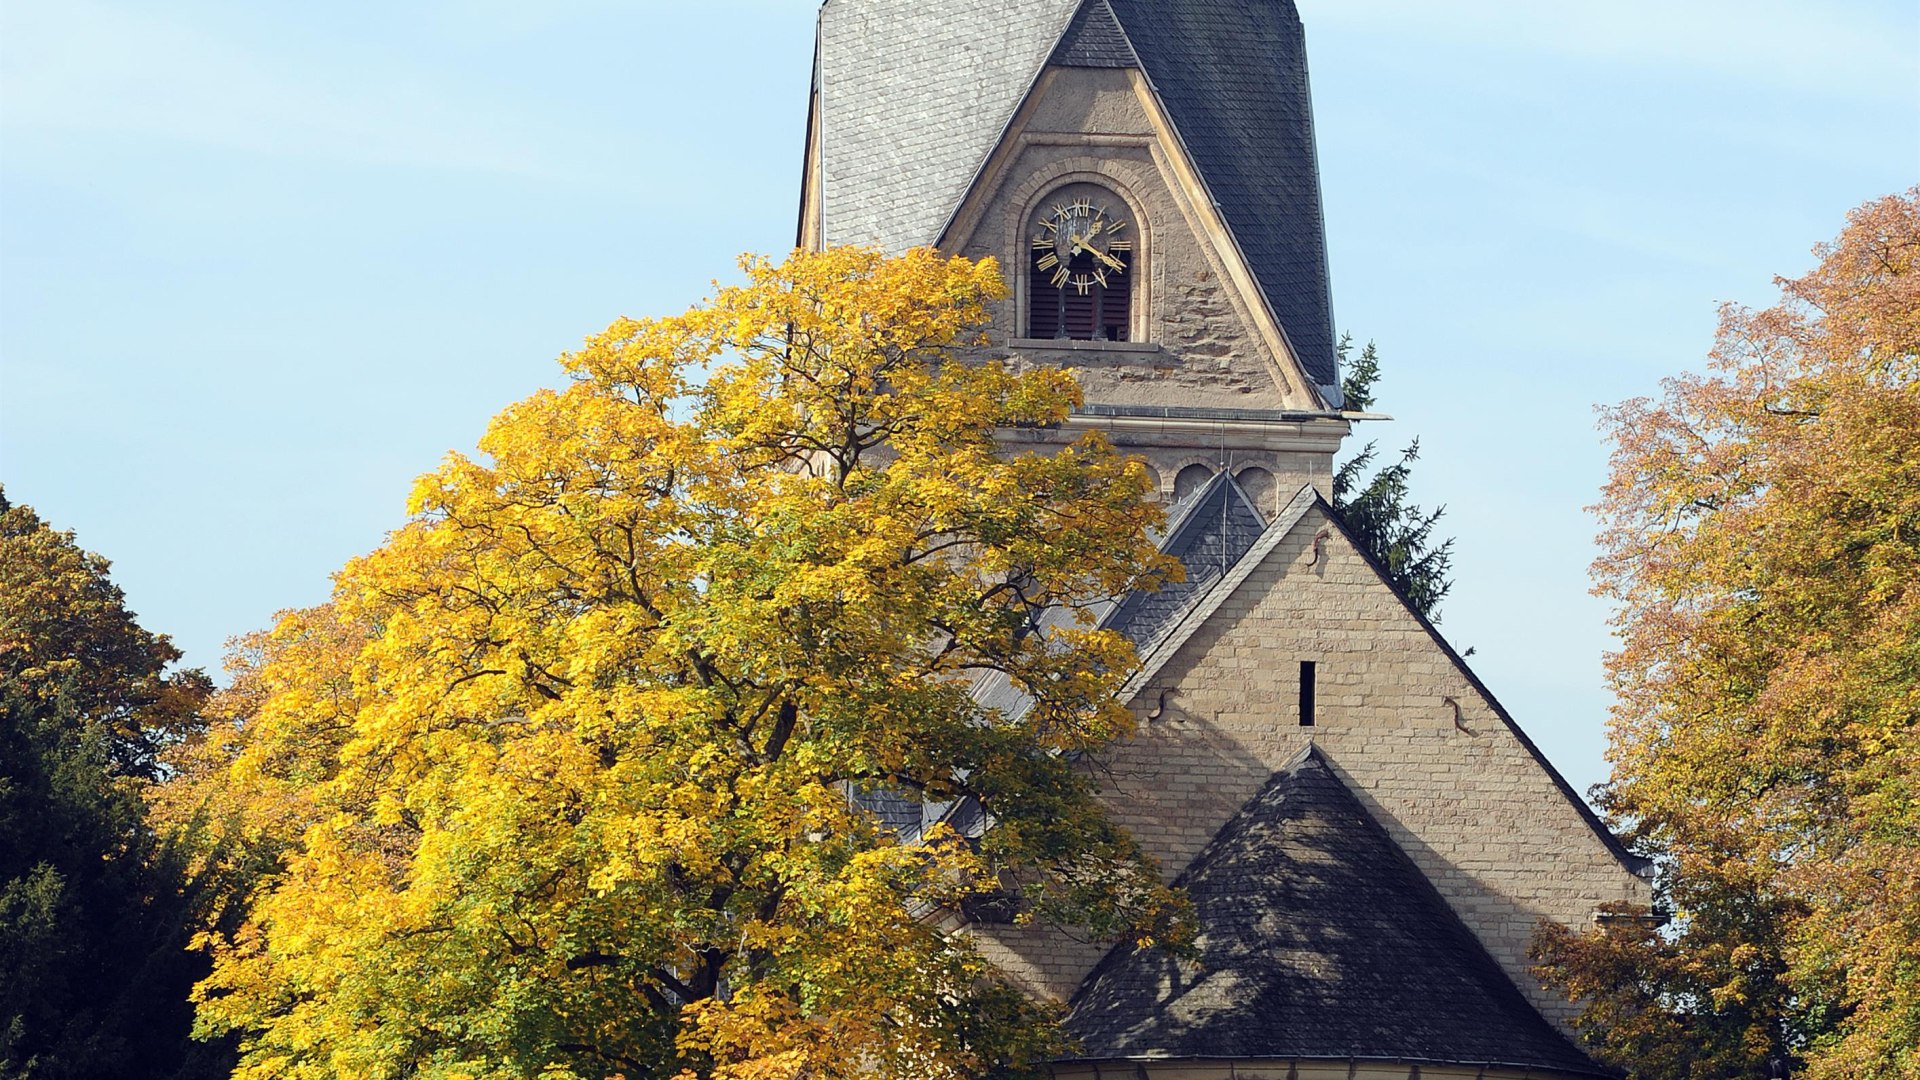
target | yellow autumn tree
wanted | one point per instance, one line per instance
(1763, 542)
(567, 778)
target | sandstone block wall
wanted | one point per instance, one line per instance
(1459, 791)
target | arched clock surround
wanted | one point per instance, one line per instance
(1055, 186)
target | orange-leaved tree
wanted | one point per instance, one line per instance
(566, 776)
(1762, 541)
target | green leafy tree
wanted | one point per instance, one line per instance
(1379, 510)
(96, 912)
(1761, 537)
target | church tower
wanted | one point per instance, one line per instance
(1369, 838)
(1144, 172)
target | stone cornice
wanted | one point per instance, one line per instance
(1286, 432)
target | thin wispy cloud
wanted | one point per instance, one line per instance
(92, 68)
(1851, 49)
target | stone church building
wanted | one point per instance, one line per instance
(1370, 840)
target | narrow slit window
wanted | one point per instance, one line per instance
(1306, 693)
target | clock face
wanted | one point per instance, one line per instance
(1080, 243)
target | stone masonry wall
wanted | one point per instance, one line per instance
(1194, 346)
(1465, 798)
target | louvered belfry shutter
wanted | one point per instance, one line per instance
(1102, 313)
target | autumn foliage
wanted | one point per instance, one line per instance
(1762, 541)
(96, 905)
(562, 782)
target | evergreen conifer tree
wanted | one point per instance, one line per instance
(1378, 510)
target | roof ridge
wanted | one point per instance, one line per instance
(1320, 937)
(1635, 864)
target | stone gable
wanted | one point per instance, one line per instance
(1429, 754)
(1198, 342)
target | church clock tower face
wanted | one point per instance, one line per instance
(1081, 243)
(1080, 266)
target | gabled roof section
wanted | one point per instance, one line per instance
(1232, 76)
(1160, 652)
(1094, 39)
(1318, 938)
(913, 96)
(1208, 532)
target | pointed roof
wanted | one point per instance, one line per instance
(1232, 75)
(914, 95)
(1319, 938)
(1095, 39)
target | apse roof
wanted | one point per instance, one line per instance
(915, 94)
(1318, 938)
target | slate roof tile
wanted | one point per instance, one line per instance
(1319, 938)
(1233, 77)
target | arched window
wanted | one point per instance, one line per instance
(1259, 485)
(1080, 270)
(1189, 480)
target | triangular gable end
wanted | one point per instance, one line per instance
(1096, 39)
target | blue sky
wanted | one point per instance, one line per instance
(261, 264)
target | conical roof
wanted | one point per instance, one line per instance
(1319, 938)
